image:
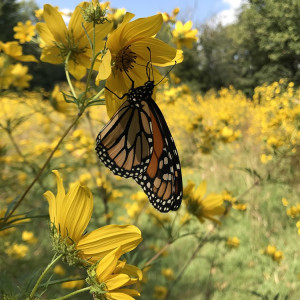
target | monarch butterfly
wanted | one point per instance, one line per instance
(137, 143)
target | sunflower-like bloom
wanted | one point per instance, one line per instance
(184, 35)
(203, 208)
(70, 214)
(24, 31)
(60, 40)
(128, 46)
(112, 276)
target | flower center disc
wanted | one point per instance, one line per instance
(124, 59)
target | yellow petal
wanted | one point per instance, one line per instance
(45, 33)
(107, 265)
(26, 58)
(77, 70)
(114, 42)
(201, 190)
(105, 67)
(141, 28)
(51, 55)
(132, 271)
(117, 281)
(119, 83)
(55, 23)
(60, 187)
(52, 207)
(75, 24)
(95, 245)
(187, 26)
(76, 212)
(179, 26)
(212, 201)
(161, 53)
(120, 295)
(124, 294)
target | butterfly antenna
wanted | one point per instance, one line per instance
(150, 62)
(166, 74)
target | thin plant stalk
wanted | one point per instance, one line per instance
(47, 269)
(41, 170)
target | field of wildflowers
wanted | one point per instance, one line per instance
(70, 228)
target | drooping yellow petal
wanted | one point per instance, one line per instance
(118, 82)
(117, 281)
(105, 67)
(132, 271)
(95, 245)
(124, 294)
(107, 265)
(55, 23)
(77, 70)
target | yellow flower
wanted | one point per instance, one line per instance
(203, 208)
(168, 273)
(60, 40)
(160, 292)
(239, 206)
(59, 270)
(70, 214)
(24, 32)
(284, 201)
(128, 46)
(28, 236)
(20, 77)
(233, 242)
(74, 284)
(265, 158)
(14, 50)
(184, 35)
(17, 250)
(113, 275)
(270, 250)
(278, 255)
(39, 13)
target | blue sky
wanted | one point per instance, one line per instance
(198, 11)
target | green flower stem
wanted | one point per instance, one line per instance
(73, 294)
(41, 170)
(93, 59)
(68, 75)
(43, 275)
(98, 95)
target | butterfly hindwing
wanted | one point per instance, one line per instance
(162, 181)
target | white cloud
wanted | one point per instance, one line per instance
(228, 16)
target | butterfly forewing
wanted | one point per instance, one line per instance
(125, 144)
